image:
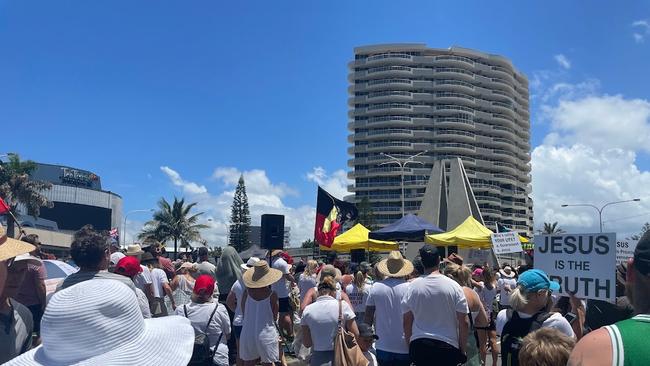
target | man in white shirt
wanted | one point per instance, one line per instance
(204, 266)
(281, 288)
(383, 309)
(436, 324)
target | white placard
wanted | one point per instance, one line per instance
(582, 263)
(625, 250)
(507, 242)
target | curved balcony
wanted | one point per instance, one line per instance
(392, 83)
(486, 187)
(389, 120)
(388, 57)
(507, 178)
(387, 132)
(454, 86)
(391, 70)
(452, 108)
(393, 145)
(387, 108)
(455, 123)
(454, 60)
(456, 134)
(389, 95)
(455, 147)
(510, 156)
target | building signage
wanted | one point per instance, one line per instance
(625, 250)
(507, 242)
(77, 177)
(583, 264)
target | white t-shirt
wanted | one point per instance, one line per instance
(158, 277)
(386, 297)
(198, 314)
(435, 301)
(358, 297)
(556, 320)
(143, 278)
(322, 318)
(280, 287)
(206, 267)
(305, 283)
(487, 296)
(504, 297)
(238, 289)
(143, 302)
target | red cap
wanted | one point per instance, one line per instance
(128, 266)
(204, 285)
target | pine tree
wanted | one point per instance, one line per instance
(240, 219)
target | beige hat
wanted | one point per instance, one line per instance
(250, 263)
(10, 247)
(276, 252)
(261, 275)
(186, 265)
(395, 265)
(329, 270)
(134, 250)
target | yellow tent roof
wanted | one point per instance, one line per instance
(357, 238)
(470, 234)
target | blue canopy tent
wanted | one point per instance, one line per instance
(408, 228)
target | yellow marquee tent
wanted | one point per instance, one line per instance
(470, 234)
(357, 238)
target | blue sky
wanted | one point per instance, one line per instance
(123, 88)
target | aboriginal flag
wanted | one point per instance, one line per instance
(331, 213)
(4, 207)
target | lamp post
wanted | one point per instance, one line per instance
(600, 210)
(402, 162)
(124, 227)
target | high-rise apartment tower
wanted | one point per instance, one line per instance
(407, 99)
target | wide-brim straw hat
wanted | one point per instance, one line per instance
(133, 250)
(261, 275)
(83, 326)
(276, 252)
(10, 247)
(395, 265)
(504, 274)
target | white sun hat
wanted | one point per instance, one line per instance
(250, 263)
(98, 322)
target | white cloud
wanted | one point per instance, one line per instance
(264, 196)
(563, 61)
(589, 156)
(642, 30)
(336, 183)
(188, 187)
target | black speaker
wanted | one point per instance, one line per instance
(357, 255)
(272, 231)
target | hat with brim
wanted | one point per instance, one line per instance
(276, 252)
(75, 314)
(10, 247)
(331, 271)
(249, 263)
(147, 257)
(261, 275)
(534, 280)
(395, 265)
(133, 250)
(504, 274)
(185, 265)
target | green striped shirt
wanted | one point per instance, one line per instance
(629, 341)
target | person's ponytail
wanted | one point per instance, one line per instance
(518, 298)
(359, 280)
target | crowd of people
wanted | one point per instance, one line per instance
(137, 306)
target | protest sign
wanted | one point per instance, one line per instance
(582, 263)
(625, 250)
(507, 242)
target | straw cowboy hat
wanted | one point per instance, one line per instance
(249, 263)
(186, 265)
(276, 252)
(505, 270)
(10, 247)
(395, 265)
(99, 323)
(261, 275)
(134, 250)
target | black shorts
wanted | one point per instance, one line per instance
(284, 305)
(236, 329)
(424, 350)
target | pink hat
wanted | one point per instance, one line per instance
(477, 272)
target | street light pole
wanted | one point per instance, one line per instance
(124, 227)
(600, 210)
(402, 163)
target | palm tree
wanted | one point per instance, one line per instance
(173, 222)
(17, 188)
(551, 228)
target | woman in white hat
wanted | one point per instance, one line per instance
(259, 336)
(183, 283)
(17, 325)
(84, 326)
(505, 285)
(234, 299)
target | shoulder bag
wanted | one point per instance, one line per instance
(346, 349)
